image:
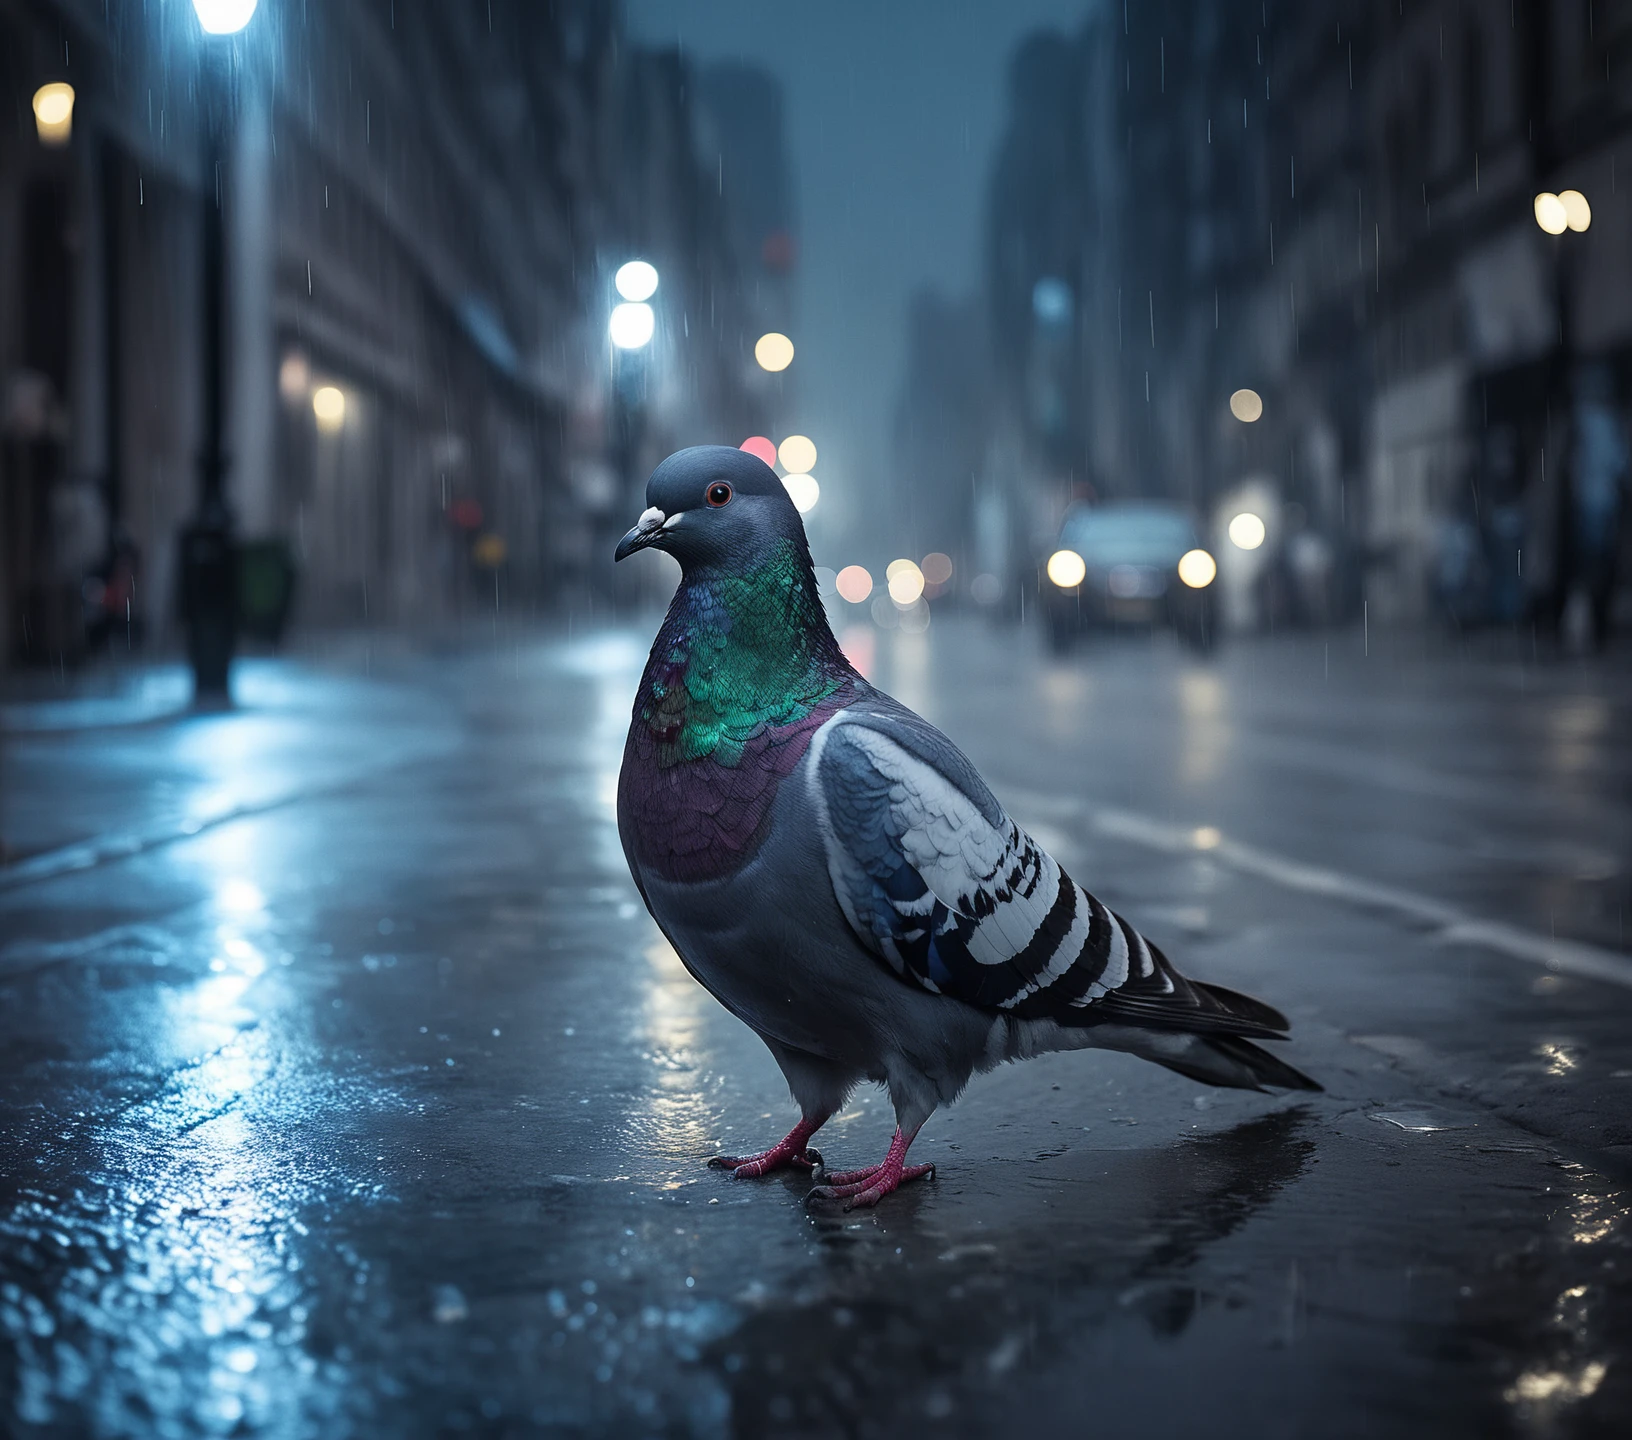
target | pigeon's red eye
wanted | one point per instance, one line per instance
(718, 494)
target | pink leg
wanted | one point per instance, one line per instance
(868, 1187)
(790, 1150)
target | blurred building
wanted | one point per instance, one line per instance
(1333, 206)
(942, 421)
(424, 207)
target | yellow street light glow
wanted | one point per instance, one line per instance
(937, 568)
(1066, 569)
(797, 454)
(329, 406)
(773, 352)
(1551, 213)
(1577, 213)
(1197, 569)
(803, 491)
(854, 584)
(905, 582)
(631, 325)
(54, 112)
(1246, 405)
(636, 281)
(1246, 531)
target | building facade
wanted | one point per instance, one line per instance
(1332, 206)
(423, 208)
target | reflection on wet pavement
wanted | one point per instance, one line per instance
(382, 1110)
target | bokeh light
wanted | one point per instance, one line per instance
(636, 281)
(1066, 569)
(905, 582)
(760, 447)
(1246, 531)
(631, 325)
(294, 377)
(985, 589)
(1551, 213)
(1246, 405)
(223, 17)
(1577, 213)
(774, 352)
(803, 491)
(1197, 569)
(937, 568)
(797, 454)
(54, 112)
(854, 584)
(329, 406)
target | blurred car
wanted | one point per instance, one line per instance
(1130, 563)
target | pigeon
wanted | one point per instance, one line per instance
(835, 872)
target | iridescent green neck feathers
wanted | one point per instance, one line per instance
(738, 653)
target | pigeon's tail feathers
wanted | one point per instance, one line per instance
(1245, 1007)
(1224, 1060)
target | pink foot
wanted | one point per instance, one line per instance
(868, 1187)
(788, 1152)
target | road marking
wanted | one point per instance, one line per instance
(1450, 924)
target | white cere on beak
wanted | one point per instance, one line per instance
(673, 520)
(649, 520)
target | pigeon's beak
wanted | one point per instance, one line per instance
(646, 531)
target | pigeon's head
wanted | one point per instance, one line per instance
(712, 507)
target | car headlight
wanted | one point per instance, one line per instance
(1197, 569)
(1066, 569)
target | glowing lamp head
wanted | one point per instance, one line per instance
(636, 281)
(54, 112)
(1066, 569)
(631, 325)
(223, 17)
(773, 352)
(1197, 569)
(1577, 213)
(329, 407)
(1551, 213)
(1246, 531)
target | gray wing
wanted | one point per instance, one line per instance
(952, 895)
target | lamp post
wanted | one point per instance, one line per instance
(630, 328)
(1558, 215)
(208, 553)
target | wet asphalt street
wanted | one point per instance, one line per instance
(346, 1088)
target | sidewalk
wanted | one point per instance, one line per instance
(114, 761)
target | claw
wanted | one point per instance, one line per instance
(790, 1152)
(867, 1187)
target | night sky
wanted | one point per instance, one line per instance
(893, 113)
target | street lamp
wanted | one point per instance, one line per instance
(1568, 210)
(208, 552)
(1555, 214)
(631, 325)
(54, 113)
(223, 17)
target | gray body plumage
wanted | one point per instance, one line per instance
(774, 945)
(883, 919)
